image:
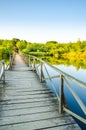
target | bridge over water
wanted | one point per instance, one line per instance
(27, 104)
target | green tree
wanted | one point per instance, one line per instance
(21, 45)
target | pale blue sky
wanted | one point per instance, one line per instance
(43, 20)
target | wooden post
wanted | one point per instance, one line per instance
(61, 95)
(29, 61)
(33, 63)
(3, 72)
(11, 56)
(41, 76)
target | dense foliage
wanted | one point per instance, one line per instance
(71, 50)
(53, 48)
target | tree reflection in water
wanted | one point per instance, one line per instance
(78, 63)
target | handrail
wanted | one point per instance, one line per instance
(4, 67)
(11, 61)
(9, 65)
(32, 61)
(2, 71)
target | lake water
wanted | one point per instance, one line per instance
(79, 74)
(71, 70)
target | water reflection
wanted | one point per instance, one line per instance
(76, 63)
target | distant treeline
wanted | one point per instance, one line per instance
(50, 48)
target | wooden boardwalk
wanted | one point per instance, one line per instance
(27, 104)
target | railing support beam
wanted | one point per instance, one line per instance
(61, 101)
(41, 76)
(11, 60)
(29, 61)
(33, 63)
(3, 73)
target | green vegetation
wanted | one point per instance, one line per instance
(66, 50)
(6, 48)
(73, 52)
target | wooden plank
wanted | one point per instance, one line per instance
(41, 124)
(29, 96)
(26, 100)
(27, 111)
(27, 105)
(30, 117)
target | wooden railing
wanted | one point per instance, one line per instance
(4, 67)
(10, 63)
(39, 65)
(2, 71)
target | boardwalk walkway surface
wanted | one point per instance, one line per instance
(27, 104)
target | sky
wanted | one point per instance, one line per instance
(43, 20)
